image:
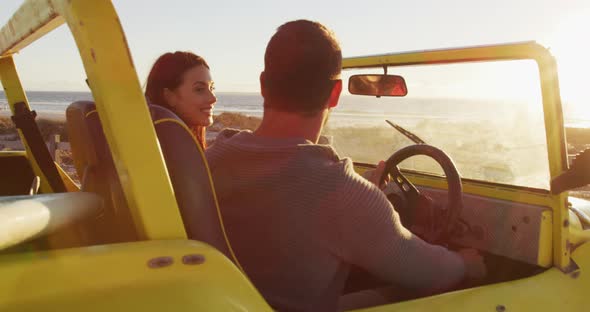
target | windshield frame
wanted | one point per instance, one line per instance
(552, 109)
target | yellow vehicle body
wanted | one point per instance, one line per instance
(165, 270)
(155, 275)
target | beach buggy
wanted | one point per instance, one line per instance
(117, 240)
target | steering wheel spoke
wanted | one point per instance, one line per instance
(403, 183)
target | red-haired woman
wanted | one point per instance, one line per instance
(181, 82)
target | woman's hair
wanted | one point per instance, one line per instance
(167, 73)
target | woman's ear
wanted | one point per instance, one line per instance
(169, 97)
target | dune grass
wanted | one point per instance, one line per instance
(47, 127)
(6, 126)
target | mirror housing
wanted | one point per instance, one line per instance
(577, 175)
(377, 85)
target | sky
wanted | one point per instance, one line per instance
(232, 35)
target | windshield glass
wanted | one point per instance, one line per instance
(487, 116)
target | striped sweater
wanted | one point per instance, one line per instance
(297, 216)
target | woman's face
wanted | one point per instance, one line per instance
(194, 99)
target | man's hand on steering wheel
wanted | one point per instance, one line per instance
(374, 175)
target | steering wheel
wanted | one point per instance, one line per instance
(437, 222)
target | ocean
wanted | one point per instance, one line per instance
(56, 102)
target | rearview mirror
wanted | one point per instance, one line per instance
(377, 85)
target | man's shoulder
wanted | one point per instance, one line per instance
(228, 133)
(230, 143)
(323, 153)
(225, 135)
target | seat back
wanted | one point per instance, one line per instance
(97, 174)
(185, 161)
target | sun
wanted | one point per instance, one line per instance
(571, 47)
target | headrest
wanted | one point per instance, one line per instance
(87, 136)
(79, 135)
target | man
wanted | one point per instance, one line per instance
(296, 214)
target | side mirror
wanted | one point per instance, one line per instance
(377, 85)
(577, 175)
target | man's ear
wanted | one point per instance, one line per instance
(169, 97)
(262, 84)
(335, 94)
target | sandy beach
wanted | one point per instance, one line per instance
(54, 131)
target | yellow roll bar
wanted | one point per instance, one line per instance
(118, 96)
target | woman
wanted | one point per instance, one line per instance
(181, 82)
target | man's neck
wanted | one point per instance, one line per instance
(278, 124)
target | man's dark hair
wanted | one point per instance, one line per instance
(301, 64)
